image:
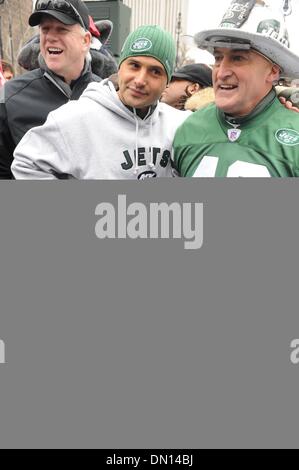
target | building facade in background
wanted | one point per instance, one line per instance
(127, 15)
(162, 12)
(14, 29)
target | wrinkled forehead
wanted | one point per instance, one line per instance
(229, 51)
(253, 53)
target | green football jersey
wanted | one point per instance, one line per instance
(267, 144)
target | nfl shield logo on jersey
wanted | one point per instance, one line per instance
(233, 134)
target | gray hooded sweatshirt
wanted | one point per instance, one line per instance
(98, 137)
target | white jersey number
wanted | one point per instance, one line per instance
(208, 165)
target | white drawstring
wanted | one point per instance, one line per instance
(151, 163)
(136, 168)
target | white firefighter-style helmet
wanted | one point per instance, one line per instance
(250, 25)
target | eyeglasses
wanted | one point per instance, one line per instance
(60, 5)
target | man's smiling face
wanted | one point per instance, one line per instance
(241, 79)
(141, 81)
(64, 47)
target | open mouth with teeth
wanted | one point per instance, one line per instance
(54, 51)
(227, 87)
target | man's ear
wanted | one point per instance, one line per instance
(194, 88)
(87, 39)
(275, 73)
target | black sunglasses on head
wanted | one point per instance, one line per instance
(60, 5)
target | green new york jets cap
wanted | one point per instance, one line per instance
(151, 41)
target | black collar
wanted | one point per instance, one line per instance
(237, 121)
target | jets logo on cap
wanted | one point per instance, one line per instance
(141, 45)
(287, 136)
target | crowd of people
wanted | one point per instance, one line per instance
(77, 114)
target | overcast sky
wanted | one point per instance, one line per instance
(205, 14)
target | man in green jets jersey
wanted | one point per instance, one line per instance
(247, 132)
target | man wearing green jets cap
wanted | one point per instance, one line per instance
(109, 134)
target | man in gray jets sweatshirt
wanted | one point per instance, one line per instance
(109, 134)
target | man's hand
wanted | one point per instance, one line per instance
(288, 104)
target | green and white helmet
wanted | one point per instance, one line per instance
(250, 25)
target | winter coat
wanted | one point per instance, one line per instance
(27, 102)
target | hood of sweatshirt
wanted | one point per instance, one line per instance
(104, 94)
